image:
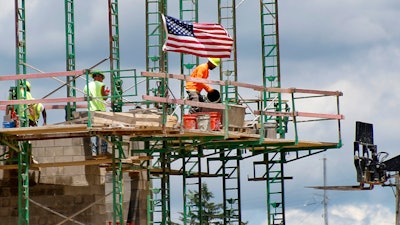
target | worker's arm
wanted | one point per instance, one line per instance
(44, 115)
(104, 93)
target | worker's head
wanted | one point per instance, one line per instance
(213, 62)
(27, 83)
(97, 74)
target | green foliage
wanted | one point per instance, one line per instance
(201, 210)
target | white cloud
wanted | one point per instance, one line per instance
(361, 214)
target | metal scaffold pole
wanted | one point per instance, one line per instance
(228, 67)
(230, 158)
(189, 11)
(191, 160)
(116, 83)
(271, 64)
(24, 151)
(156, 58)
(70, 56)
(20, 48)
(157, 61)
(116, 106)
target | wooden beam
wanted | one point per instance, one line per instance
(303, 114)
(240, 84)
(49, 100)
(47, 106)
(184, 102)
(42, 75)
(45, 129)
(181, 77)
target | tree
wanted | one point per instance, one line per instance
(202, 210)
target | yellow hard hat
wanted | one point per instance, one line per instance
(27, 83)
(215, 61)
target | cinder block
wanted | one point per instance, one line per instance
(77, 141)
(39, 152)
(72, 150)
(63, 142)
(45, 159)
(62, 180)
(50, 171)
(55, 151)
(63, 158)
(74, 170)
(5, 192)
(43, 143)
(4, 203)
(78, 158)
(48, 180)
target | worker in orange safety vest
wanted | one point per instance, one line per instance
(194, 88)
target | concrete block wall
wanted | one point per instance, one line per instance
(67, 190)
(64, 150)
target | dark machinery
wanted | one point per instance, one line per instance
(371, 167)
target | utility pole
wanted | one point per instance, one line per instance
(397, 199)
(325, 196)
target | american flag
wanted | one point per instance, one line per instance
(201, 39)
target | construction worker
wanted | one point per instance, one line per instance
(34, 110)
(22, 93)
(34, 114)
(194, 88)
(98, 93)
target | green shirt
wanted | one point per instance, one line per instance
(97, 103)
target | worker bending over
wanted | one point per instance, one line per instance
(33, 111)
(194, 88)
(34, 114)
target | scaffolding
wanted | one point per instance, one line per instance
(193, 155)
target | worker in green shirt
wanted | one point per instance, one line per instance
(98, 94)
(97, 91)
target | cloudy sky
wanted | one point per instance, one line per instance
(346, 45)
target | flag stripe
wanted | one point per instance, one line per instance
(211, 42)
(200, 53)
(201, 39)
(198, 47)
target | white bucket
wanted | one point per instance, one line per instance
(203, 122)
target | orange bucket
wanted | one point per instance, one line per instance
(189, 121)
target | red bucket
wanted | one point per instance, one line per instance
(189, 121)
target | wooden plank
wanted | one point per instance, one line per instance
(42, 75)
(303, 114)
(137, 118)
(47, 106)
(320, 92)
(240, 84)
(44, 129)
(130, 160)
(49, 100)
(184, 102)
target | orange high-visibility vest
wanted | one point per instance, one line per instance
(200, 71)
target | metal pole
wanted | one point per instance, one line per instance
(397, 199)
(325, 196)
